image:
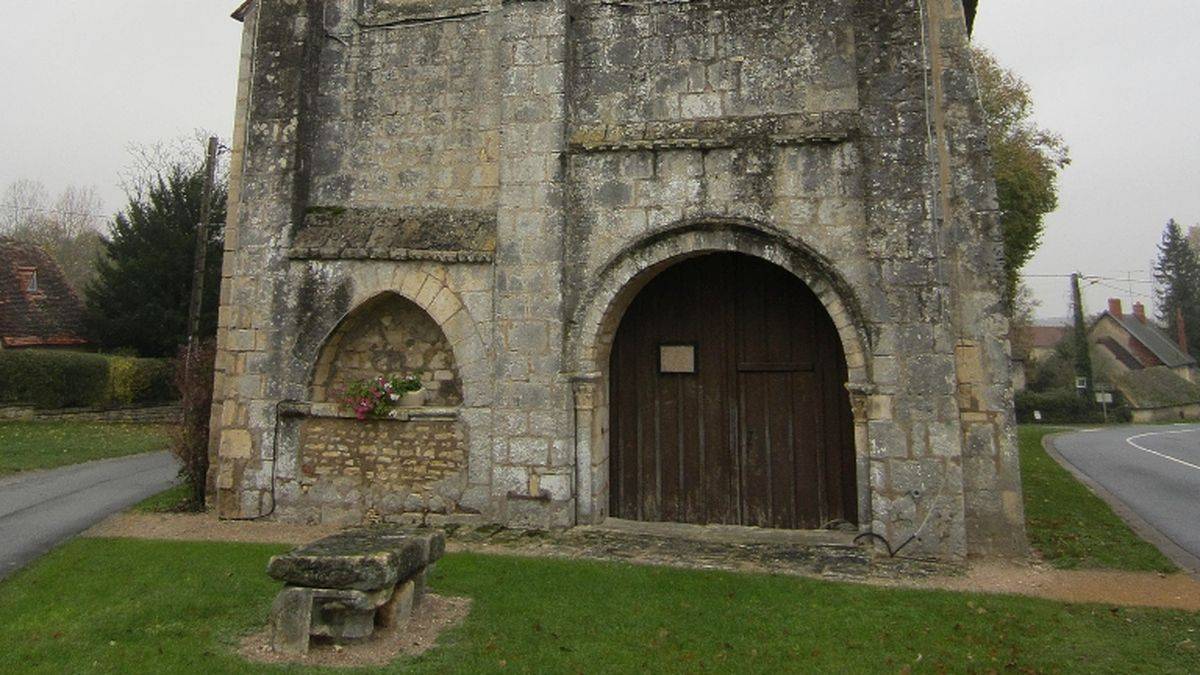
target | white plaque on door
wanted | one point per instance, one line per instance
(677, 359)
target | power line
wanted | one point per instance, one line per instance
(1091, 277)
(1127, 291)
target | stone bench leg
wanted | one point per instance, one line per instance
(396, 612)
(347, 614)
(421, 580)
(291, 621)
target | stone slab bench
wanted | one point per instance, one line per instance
(348, 585)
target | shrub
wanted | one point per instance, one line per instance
(132, 380)
(1053, 373)
(60, 379)
(1066, 406)
(194, 378)
(53, 379)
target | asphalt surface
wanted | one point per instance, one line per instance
(1153, 470)
(39, 510)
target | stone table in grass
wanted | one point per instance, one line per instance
(347, 585)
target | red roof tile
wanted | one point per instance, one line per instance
(51, 316)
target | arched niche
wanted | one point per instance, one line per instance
(388, 335)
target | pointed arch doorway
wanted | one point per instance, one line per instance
(728, 402)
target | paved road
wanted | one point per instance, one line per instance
(39, 510)
(1155, 471)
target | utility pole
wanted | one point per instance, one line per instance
(196, 462)
(1083, 358)
(200, 259)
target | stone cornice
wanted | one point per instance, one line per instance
(704, 134)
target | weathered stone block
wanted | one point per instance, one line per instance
(367, 559)
(291, 617)
(397, 610)
(347, 614)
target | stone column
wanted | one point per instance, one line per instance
(859, 396)
(589, 458)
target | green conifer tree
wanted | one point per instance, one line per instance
(1177, 274)
(139, 299)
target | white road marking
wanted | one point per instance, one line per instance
(1131, 440)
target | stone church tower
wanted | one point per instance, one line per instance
(705, 261)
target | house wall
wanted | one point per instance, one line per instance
(1177, 413)
(600, 142)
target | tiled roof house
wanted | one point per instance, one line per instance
(1156, 375)
(1132, 342)
(38, 308)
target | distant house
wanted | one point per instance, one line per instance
(38, 308)
(1033, 345)
(1129, 342)
(1156, 376)
(1044, 340)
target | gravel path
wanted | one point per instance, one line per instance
(1133, 589)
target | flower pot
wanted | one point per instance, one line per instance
(414, 399)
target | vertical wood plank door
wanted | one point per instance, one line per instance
(728, 402)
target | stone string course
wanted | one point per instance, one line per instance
(600, 141)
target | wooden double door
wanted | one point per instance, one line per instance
(728, 401)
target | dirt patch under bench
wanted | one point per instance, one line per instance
(436, 615)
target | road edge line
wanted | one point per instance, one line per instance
(1190, 564)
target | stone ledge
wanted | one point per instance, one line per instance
(319, 410)
(385, 14)
(431, 234)
(707, 134)
(394, 254)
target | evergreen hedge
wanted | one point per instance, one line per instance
(1066, 406)
(48, 379)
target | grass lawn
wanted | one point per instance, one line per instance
(1071, 526)
(182, 607)
(45, 445)
(171, 500)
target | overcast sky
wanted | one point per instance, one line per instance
(1119, 80)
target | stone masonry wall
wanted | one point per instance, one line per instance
(970, 220)
(654, 61)
(279, 305)
(602, 141)
(351, 468)
(831, 162)
(533, 451)
(914, 428)
(406, 110)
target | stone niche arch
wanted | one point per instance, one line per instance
(603, 306)
(350, 470)
(388, 335)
